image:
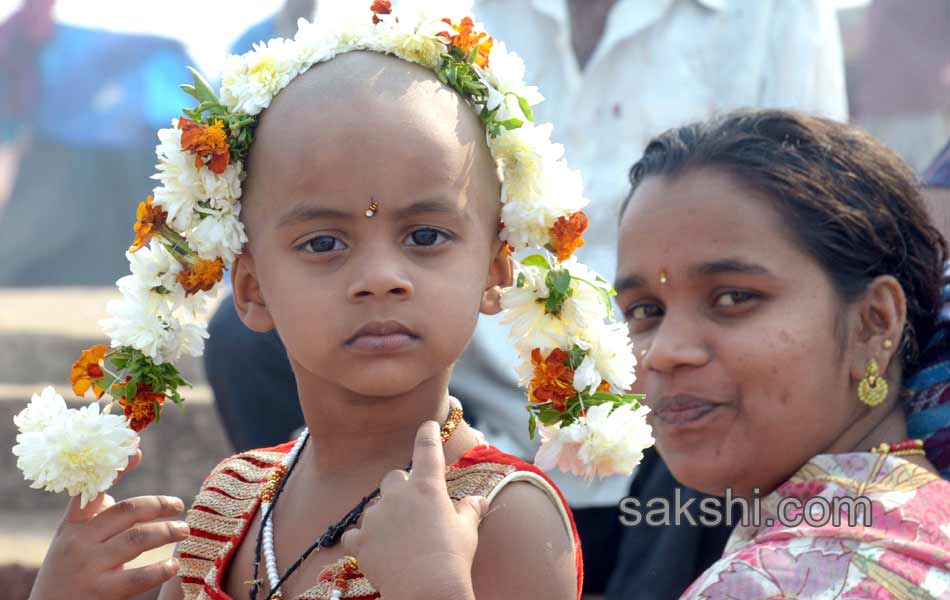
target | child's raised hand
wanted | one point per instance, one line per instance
(86, 558)
(416, 521)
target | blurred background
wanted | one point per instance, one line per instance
(84, 84)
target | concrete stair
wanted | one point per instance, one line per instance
(42, 331)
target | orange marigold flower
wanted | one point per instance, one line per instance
(603, 387)
(201, 276)
(466, 40)
(567, 232)
(142, 409)
(87, 369)
(209, 143)
(380, 7)
(553, 379)
(148, 222)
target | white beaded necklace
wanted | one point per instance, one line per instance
(270, 558)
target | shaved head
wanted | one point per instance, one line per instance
(364, 104)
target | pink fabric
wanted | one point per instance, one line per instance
(903, 553)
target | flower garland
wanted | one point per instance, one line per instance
(576, 360)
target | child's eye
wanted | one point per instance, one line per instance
(426, 236)
(321, 244)
(640, 312)
(733, 298)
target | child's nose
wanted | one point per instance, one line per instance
(379, 279)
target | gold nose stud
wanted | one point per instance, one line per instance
(371, 211)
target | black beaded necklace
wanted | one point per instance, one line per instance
(331, 536)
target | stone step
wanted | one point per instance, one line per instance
(43, 330)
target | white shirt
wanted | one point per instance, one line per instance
(659, 64)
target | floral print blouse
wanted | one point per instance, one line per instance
(894, 544)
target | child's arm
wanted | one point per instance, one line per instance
(524, 549)
(416, 544)
(86, 557)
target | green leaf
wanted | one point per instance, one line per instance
(158, 412)
(190, 90)
(536, 260)
(549, 416)
(576, 357)
(105, 383)
(525, 108)
(532, 426)
(559, 280)
(203, 90)
(520, 281)
(511, 123)
(130, 389)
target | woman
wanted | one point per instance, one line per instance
(776, 345)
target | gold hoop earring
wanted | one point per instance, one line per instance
(872, 389)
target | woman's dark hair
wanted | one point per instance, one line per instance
(847, 200)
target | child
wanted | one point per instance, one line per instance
(371, 212)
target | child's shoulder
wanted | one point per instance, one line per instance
(487, 471)
(483, 470)
(253, 462)
(529, 510)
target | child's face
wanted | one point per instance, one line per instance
(377, 305)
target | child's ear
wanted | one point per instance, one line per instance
(500, 275)
(248, 299)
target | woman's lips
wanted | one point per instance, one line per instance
(681, 410)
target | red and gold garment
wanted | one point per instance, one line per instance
(230, 496)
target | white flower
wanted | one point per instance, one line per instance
(183, 339)
(349, 24)
(532, 326)
(586, 307)
(250, 81)
(559, 448)
(184, 185)
(615, 440)
(528, 222)
(79, 451)
(524, 308)
(181, 188)
(420, 44)
(219, 235)
(522, 154)
(153, 265)
(42, 409)
(314, 43)
(505, 74)
(612, 353)
(224, 190)
(603, 443)
(586, 377)
(135, 321)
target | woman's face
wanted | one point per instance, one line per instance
(744, 369)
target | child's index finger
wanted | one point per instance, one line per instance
(428, 458)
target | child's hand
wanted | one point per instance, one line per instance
(87, 555)
(416, 521)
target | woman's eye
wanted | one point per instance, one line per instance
(640, 312)
(732, 298)
(426, 236)
(322, 244)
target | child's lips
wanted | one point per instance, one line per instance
(381, 336)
